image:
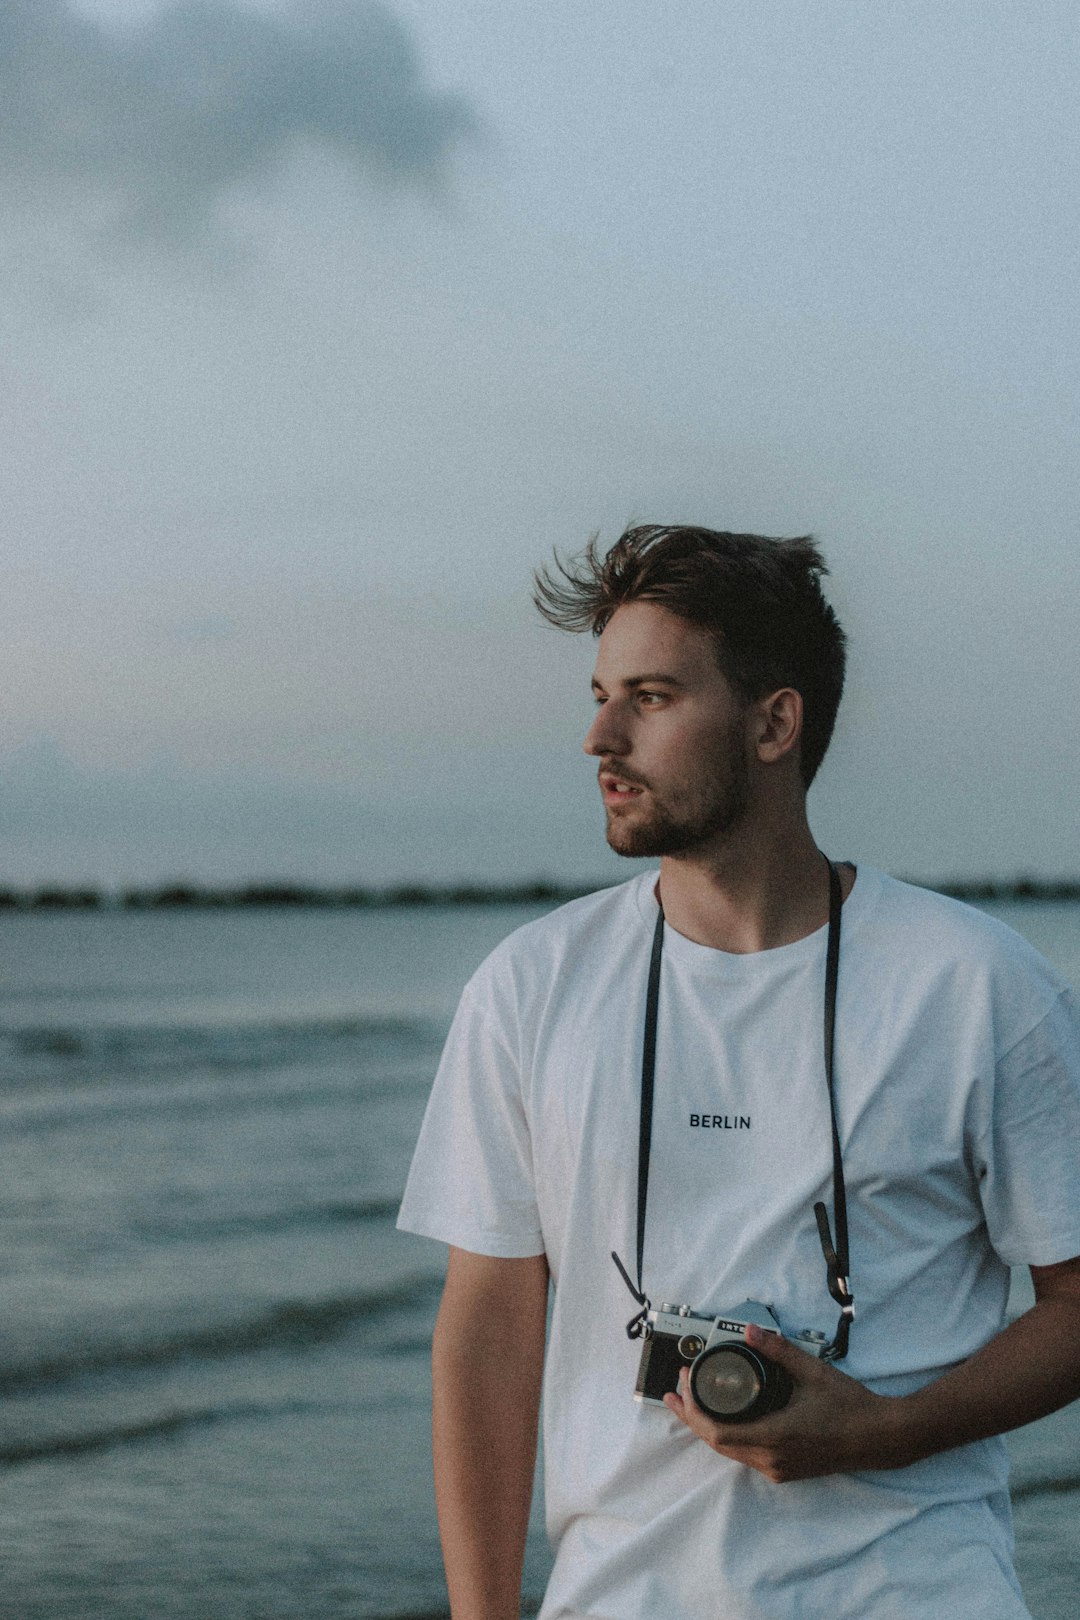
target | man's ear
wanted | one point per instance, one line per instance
(778, 722)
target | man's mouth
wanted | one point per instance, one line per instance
(617, 789)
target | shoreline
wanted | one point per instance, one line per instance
(184, 896)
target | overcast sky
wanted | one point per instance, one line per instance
(323, 322)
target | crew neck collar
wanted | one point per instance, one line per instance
(709, 958)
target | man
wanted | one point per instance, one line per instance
(878, 1490)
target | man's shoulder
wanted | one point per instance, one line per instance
(623, 904)
(944, 921)
(921, 930)
(569, 934)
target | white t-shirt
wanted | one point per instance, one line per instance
(958, 1100)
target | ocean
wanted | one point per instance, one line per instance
(213, 1343)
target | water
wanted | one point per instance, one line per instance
(213, 1348)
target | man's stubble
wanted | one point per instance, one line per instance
(708, 806)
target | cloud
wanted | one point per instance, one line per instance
(161, 121)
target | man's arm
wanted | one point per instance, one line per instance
(487, 1358)
(833, 1424)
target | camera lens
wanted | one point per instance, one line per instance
(732, 1384)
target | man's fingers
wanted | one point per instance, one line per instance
(802, 1367)
(681, 1401)
(674, 1403)
(731, 1440)
(774, 1347)
(684, 1405)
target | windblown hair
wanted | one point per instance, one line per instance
(760, 600)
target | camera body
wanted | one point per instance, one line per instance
(730, 1381)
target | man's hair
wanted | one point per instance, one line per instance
(760, 600)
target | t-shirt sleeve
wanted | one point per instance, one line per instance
(1029, 1153)
(471, 1181)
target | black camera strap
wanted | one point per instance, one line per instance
(836, 1254)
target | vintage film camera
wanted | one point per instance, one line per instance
(729, 1380)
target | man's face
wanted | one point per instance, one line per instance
(670, 734)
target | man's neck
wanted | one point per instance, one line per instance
(753, 894)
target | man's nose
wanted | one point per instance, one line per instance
(606, 735)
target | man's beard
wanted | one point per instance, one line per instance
(698, 815)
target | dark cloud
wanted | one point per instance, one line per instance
(165, 119)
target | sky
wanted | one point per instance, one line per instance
(324, 321)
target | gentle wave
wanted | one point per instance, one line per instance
(59, 1109)
(168, 1423)
(239, 1043)
(528, 1607)
(342, 1212)
(299, 1324)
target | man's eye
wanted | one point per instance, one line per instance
(651, 698)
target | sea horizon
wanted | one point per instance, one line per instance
(183, 893)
